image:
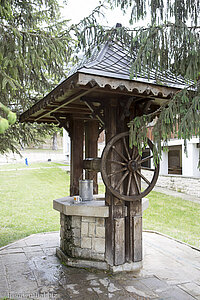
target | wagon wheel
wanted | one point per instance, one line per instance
(123, 169)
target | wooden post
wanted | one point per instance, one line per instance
(133, 225)
(91, 149)
(133, 229)
(123, 233)
(76, 168)
(115, 224)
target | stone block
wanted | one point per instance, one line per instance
(180, 183)
(76, 232)
(58, 206)
(62, 233)
(100, 221)
(92, 229)
(76, 222)
(175, 293)
(62, 244)
(100, 232)
(98, 245)
(191, 288)
(86, 242)
(77, 242)
(68, 222)
(62, 217)
(76, 252)
(88, 219)
(68, 235)
(84, 229)
(15, 258)
(68, 247)
(62, 223)
(86, 253)
(98, 256)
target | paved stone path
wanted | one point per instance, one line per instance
(172, 193)
(29, 269)
(169, 192)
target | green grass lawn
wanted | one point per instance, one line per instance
(26, 200)
(18, 166)
(173, 216)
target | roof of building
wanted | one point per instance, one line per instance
(114, 60)
(107, 71)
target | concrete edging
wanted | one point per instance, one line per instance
(100, 265)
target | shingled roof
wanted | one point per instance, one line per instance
(114, 60)
(107, 71)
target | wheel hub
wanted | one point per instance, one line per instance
(127, 166)
(133, 166)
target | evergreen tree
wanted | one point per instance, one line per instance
(170, 42)
(36, 47)
(30, 49)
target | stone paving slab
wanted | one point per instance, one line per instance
(29, 269)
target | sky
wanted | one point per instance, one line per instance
(78, 9)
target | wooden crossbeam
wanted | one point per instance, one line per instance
(67, 101)
(95, 111)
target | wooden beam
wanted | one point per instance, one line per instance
(68, 101)
(91, 149)
(76, 167)
(95, 111)
(115, 226)
(107, 91)
(77, 107)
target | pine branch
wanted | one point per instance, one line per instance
(180, 116)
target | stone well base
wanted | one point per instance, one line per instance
(100, 265)
(82, 234)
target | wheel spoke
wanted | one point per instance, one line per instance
(145, 159)
(133, 153)
(125, 146)
(137, 183)
(117, 172)
(148, 169)
(117, 162)
(121, 180)
(120, 154)
(137, 157)
(144, 178)
(124, 168)
(129, 183)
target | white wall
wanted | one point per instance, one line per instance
(196, 153)
(164, 164)
(66, 145)
(189, 160)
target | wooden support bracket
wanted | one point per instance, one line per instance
(65, 123)
(96, 111)
(126, 109)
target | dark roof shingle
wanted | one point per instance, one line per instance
(113, 60)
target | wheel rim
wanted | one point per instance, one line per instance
(129, 167)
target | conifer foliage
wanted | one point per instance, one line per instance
(171, 42)
(32, 54)
(168, 43)
(36, 48)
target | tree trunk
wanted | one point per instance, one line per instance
(55, 145)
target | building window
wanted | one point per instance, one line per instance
(175, 160)
(145, 154)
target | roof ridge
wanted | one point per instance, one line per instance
(99, 57)
(112, 58)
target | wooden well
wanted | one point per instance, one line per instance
(100, 96)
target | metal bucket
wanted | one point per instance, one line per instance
(86, 189)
